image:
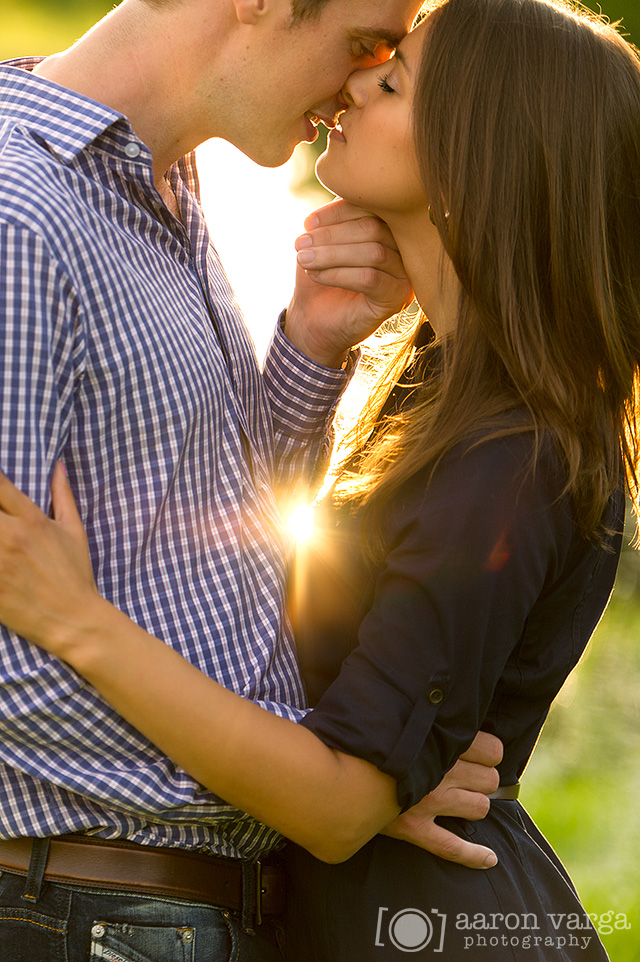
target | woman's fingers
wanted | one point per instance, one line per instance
(45, 565)
(63, 504)
(14, 502)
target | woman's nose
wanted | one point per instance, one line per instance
(355, 91)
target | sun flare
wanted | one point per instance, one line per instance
(301, 523)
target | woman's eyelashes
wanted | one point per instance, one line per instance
(382, 83)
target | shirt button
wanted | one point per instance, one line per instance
(132, 150)
(436, 695)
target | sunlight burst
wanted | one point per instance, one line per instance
(300, 522)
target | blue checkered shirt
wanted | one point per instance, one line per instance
(123, 353)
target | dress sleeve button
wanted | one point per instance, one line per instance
(436, 695)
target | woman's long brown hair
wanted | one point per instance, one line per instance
(527, 127)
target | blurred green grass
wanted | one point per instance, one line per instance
(583, 782)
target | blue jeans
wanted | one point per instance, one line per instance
(81, 924)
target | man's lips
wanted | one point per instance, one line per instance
(312, 129)
(331, 122)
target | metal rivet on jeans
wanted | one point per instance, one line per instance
(98, 931)
(187, 935)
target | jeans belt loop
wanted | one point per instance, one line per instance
(37, 868)
(250, 903)
(259, 891)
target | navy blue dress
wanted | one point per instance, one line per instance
(484, 603)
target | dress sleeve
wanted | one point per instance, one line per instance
(468, 555)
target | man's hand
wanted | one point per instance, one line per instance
(350, 278)
(461, 793)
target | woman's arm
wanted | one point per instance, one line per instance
(326, 801)
(329, 802)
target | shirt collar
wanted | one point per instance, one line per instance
(68, 121)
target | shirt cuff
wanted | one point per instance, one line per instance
(403, 740)
(303, 393)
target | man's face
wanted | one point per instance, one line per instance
(292, 73)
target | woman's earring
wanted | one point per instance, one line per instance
(432, 218)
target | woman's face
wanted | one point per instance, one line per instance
(370, 159)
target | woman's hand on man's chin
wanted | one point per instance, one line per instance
(48, 592)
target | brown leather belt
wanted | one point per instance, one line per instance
(507, 792)
(125, 866)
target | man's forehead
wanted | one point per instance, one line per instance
(385, 22)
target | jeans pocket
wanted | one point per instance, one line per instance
(26, 935)
(124, 942)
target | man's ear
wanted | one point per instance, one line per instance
(250, 11)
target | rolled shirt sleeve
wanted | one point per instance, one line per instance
(303, 396)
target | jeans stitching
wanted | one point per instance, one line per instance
(21, 918)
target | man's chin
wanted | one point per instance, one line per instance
(270, 156)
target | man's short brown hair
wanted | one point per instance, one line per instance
(307, 8)
(301, 9)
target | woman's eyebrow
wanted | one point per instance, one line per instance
(402, 60)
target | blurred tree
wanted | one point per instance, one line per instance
(626, 10)
(45, 26)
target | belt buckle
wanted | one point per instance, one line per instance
(258, 891)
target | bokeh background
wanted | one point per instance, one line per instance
(583, 784)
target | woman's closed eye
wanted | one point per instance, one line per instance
(384, 85)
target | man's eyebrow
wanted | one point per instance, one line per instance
(377, 35)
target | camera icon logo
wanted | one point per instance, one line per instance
(411, 930)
